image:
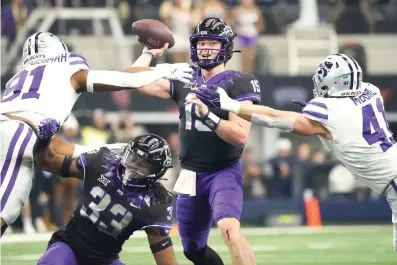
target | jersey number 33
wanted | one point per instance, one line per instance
(119, 215)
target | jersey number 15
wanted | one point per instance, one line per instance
(17, 82)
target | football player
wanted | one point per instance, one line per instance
(210, 182)
(121, 195)
(348, 116)
(49, 84)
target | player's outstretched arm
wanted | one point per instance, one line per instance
(161, 247)
(133, 77)
(283, 120)
(159, 88)
(62, 147)
(262, 115)
(55, 163)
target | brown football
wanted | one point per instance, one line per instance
(153, 33)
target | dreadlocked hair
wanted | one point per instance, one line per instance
(159, 194)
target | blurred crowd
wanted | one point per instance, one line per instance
(249, 18)
(296, 169)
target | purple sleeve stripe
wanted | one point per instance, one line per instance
(81, 163)
(172, 89)
(160, 226)
(315, 114)
(318, 104)
(80, 62)
(75, 55)
(250, 96)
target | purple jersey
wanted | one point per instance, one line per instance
(108, 214)
(201, 149)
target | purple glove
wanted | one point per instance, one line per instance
(301, 104)
(209, 96)
(48, 128)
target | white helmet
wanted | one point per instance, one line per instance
(338, 75)
(42, 45)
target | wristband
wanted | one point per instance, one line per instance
(148, 53)
(161, 245)
(211, 120)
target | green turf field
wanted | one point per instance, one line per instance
(358, 245)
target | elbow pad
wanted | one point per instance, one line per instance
(121, 79)
(283, 124)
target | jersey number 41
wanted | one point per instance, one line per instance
(377, 134)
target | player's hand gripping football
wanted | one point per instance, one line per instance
(156, 52)
(178, 71)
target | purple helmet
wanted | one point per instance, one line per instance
(216, 29)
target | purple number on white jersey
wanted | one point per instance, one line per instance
(379, 135)
(20, 79)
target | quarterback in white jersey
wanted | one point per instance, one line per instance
(347, 115)
(48, 86)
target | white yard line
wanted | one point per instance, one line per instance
(259, 231)
(177, 248)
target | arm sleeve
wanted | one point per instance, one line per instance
(245, 87)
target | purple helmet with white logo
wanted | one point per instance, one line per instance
(215, 29)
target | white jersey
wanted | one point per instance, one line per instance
(42, 89)
(362, 141)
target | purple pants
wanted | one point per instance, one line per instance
(60, 253)
(218, 195)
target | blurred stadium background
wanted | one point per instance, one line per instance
(282, 173)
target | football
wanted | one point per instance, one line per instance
(153, 33)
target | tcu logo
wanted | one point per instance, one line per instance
(154, 42)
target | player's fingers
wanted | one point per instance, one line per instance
(165, 47)
(183, 66)
(187, 75)
(184, 80)
(193, 101)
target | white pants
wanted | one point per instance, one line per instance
(16, 162)
(391, 197)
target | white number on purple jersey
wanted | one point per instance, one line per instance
(121, 217)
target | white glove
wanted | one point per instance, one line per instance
(178, 71)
